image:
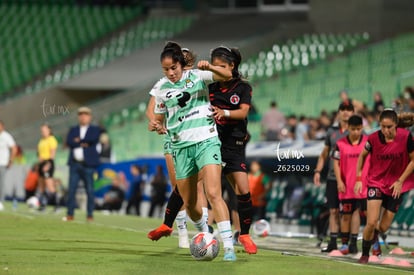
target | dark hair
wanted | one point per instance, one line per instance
(355, 120)
(173, 50)
(136, 166)
(405, 119)
(390, 114)
(229, 55)
(189, 57)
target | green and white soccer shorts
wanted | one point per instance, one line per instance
(190, 160)
(167, 146)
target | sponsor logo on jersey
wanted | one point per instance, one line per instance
(161, 105)
(181, 118)
(234, 99)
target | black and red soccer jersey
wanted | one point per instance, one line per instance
(230, 97)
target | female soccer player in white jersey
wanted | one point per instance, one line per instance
(181, 100)
(174, 209)
(390, 175)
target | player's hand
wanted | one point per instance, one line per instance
(158, 127)
(152, 125)
(341, 187)
(317, 179)
(396, 189)
(218, 113)
(203, 65)
(358, 187)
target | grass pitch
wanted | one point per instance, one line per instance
(41, 243)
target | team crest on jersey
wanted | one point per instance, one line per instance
(372, 193)
(189, 83)
(234, 99)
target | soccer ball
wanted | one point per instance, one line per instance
(33, 202)
(204, 246)
(261, 228)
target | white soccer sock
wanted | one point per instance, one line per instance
(205, 213)
(201, 225)
(181, 221)
(226, 234)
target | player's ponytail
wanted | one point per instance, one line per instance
(189, 57)
(405, 120)
(173, 51)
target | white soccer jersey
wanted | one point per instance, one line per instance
(186, 106)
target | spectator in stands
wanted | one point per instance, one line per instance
(316, 131)
(82, 141)
(378, 106)
(159, 185)
(46, 151)
(20, 158)
(273, 122)
(7, 154)
(325, 120)
(302, 130)
(401, 103)
(106, 148)
(137, 184)
(260, 186)
(372, 121)
(114, 197)
(288, 133)
(358, 105)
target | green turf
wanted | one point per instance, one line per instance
(41, 243)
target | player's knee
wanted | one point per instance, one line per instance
(370, 225)
(346, 218)
(334, 211)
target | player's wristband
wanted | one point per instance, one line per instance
(226, 113)
(358, 178)
(316, 171)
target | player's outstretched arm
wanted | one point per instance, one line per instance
(219, 73)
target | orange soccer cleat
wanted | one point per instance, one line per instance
(162, 231)
(248, 244)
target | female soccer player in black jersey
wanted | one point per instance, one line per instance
(230, 101)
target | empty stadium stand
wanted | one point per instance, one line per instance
(39, 36)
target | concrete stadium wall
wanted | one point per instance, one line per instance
(381, 18)
(44, 106)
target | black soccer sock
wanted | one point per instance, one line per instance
(333, 236)
(366, 246)
(376, 233)
(44, 199)
(175, 202)
(345, 237)
(354, 238)
(244, 207)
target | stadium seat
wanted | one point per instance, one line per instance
(54, 31)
